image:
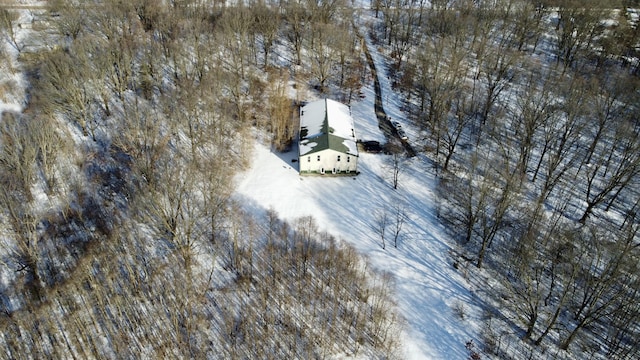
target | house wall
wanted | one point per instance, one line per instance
(328, 161)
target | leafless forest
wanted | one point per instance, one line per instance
(120, 235)
(529, 112)
(122, 240)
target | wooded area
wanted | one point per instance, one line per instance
(529, 111)
(116, 208)
(121, 236)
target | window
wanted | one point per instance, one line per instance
(338, 157)
(318, 157)
(308, 158)
(348, 159)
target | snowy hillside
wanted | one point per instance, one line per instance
(428, 287)
(147, 210)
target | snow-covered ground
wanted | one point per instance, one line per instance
(428, 287)
(13, 85)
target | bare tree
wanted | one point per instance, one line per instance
(399, 219)
(457, 124)
(18, 152)
(492, 221)
(119, 31)
(532, 109)
(7, 24)
(396, 162)
(72, 17)
(466, 199)
(280, 110)
(381, 221)
(561, 130)
(401, 21)
(577, 29)
(542, 270)
(527, 24)
(497, 71)
(621, 339)
(623, 42)
(487, 202)
(613, 97)
(26, 254)
(234, 31)
(351, 62)
(18, 160)
(50, 145)
(603, 278)
(268, 22)
(612, 170)
(72, 96)
(607, 95)
(297, 19)
(306, 230)
(439, 83)
(324, 56)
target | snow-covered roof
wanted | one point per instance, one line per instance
(326, 124)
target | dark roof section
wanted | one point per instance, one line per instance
(326, 124)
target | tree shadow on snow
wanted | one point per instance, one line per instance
(289, 157)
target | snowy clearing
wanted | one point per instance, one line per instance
(427, 285)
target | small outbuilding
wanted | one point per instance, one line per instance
(327, 139)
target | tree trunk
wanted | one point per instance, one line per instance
(481, 254)
(531, 326)
(569, 339)
(586, 213)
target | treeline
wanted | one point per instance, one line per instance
(120, 234)
(529, 114)
(265, 289)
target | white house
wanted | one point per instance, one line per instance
(327, 139)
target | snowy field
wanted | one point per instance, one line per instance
(428, 287)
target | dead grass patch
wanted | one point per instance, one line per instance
(6, 89)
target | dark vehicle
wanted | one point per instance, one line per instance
(372, 146)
